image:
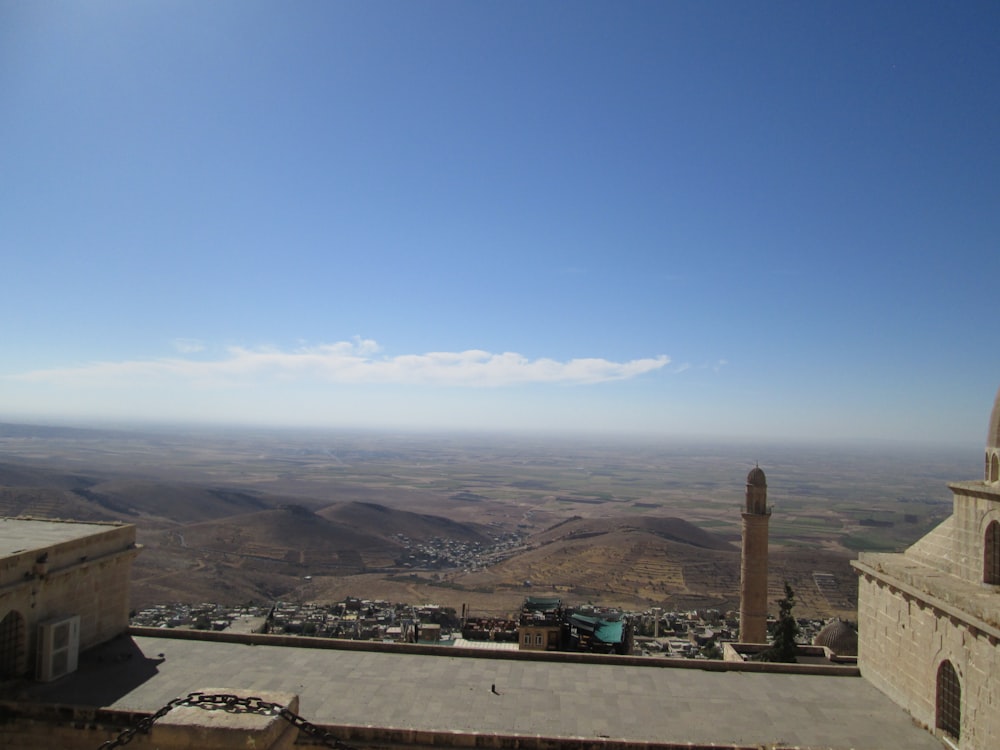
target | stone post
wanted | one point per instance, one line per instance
(206, 728)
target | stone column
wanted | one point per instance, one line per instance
(753, 562)
(753, 580)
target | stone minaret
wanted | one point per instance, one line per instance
(753, 567)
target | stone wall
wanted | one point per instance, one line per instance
(572, 657)
(45, 727)
(538, 637)
(976, 505)
(904, 638)
(36, 727)
(936, 548)
(88, 577)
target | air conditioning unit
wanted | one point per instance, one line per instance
(58, 648)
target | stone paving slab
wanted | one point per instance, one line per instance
(445, 693)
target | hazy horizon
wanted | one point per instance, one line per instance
(756, 447)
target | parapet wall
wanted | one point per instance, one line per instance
(41, 727)
(41, 558)
(27, 726)
(708, 665)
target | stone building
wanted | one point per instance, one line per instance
(63, 589)
(929, 618)
(540, 624)
(753, 562)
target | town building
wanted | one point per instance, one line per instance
(600, 632)
(63, 589)
(541, 623)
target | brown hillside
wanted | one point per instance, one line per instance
(54, 493)
(26, 475)
(617, 562)
(263, 555)
(625, 566)
(388, 522)
(174, 501)
(672, 529)
(292, 534)
(270, 553)
(41, 502)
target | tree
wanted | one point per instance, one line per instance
(785, 631)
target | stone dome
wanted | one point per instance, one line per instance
(756, 477)
(993, 436)
(839, 637)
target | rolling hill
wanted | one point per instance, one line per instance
(375, 518)
(668, 528)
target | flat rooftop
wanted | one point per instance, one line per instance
(24, 534)
(535, 698)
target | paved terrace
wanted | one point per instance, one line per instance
(562, 699)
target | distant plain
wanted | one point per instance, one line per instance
(237, 515)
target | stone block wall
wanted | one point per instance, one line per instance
(903, 641)
(936, 548)
(538, 638)
(88, 577)
(97, 591)
(976, 505)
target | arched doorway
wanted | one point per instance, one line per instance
(949, 701)
(12, 645)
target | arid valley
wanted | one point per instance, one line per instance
(468, 519)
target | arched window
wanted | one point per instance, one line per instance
(949, 701)
(991, 554)
(12, 645)
(995, 468)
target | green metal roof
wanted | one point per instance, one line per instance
(607, 631)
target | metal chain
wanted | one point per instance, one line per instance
(234, 704)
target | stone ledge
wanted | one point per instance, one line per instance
(976, 488)
(951, 596)
(411, 738)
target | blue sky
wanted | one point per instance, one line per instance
(714, 219)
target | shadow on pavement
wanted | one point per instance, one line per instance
(105, 674)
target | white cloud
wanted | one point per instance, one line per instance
(357, 361)
(188, 346)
